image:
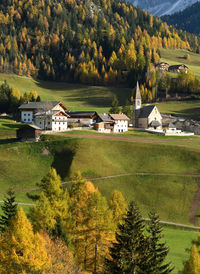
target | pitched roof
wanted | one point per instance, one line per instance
(50, 113)
(145, 111)
(138, 94)
(39, 105)
(119, 117)
(171, 125)
(29, 125)
(81, 113)
(105, 117)
(155, 123)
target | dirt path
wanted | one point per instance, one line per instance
(173, 142)
(195, 205)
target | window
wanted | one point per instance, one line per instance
(24, 120)
(49, 123)
(28, 119)
(24, 114)
(28, 114)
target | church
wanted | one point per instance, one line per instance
(146, 117)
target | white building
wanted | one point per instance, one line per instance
(54, 120)
(29, 109)
(115, 123)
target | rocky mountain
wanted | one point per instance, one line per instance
(187, 19)
(163, 7)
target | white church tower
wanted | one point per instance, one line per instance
(137, 104)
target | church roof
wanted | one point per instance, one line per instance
(155, 123)
(145, 111)
(138, 94)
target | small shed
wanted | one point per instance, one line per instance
(29, 133)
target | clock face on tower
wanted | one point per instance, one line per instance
(138, 103)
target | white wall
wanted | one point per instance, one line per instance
(27, 116)
(54, 123)
(120, 126)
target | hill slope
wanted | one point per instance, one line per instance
(187, 20)
(95, 42)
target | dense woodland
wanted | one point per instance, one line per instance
(187, 20)
(93, 42)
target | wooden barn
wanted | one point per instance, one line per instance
(28, 133)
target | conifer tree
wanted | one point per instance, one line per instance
(52, 205)
(157, 250)
(129, 254)
(114, 106)
(9, 209)
(117, 205)
(22, 251)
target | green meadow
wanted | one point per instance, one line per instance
(175, 57)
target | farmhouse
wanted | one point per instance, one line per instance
(82, 118)
(54, 120)
(178, 68)
(112, 123)
(162, 66)
(147, 116)
(29, 109)
(28, 133)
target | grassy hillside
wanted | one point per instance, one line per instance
(74, 96)
(175, 57)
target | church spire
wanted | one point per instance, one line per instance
(138, 98)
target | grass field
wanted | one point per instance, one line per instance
(22, 165)
(175, 57)
(74, 96)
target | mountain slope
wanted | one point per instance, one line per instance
(163, 7)
(98, 42)
(187, 20)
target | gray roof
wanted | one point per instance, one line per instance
(86, 114)
(155, 123)
(105, 117)
(50, 113)
(29, 125)
(138, 94)
(171, 125)
(145, 111)
(39, 105)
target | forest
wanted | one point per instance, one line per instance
(93, 42)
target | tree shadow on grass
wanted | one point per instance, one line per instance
(62, 161)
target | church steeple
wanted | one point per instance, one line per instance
(138, 98)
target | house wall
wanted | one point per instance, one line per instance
(84, 121)
(54, 123)
(143, 122)
(120, 126)
(27, 116)
(155, 115)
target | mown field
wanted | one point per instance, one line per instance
(175, 57)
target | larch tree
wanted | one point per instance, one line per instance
(22, 251)
(52, 206)
(9, 209)
(117, 205)
(192, 265)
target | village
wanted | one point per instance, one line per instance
(52, 117)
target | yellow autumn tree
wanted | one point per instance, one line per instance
(22, 251)
(193, 264)
(117, 205)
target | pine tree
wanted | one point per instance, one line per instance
(114, 106)
(22, 251)
(9, 209)
(157, 250)
(129, 253)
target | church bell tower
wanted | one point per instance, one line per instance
(137, 104)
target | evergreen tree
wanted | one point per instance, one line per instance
(114, 106)
(9, 209)
(129, 254)
(126, 109)
(157, 250)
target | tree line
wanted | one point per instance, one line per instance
(79, 231)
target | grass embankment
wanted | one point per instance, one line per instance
(176, 57)
(8, 128)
